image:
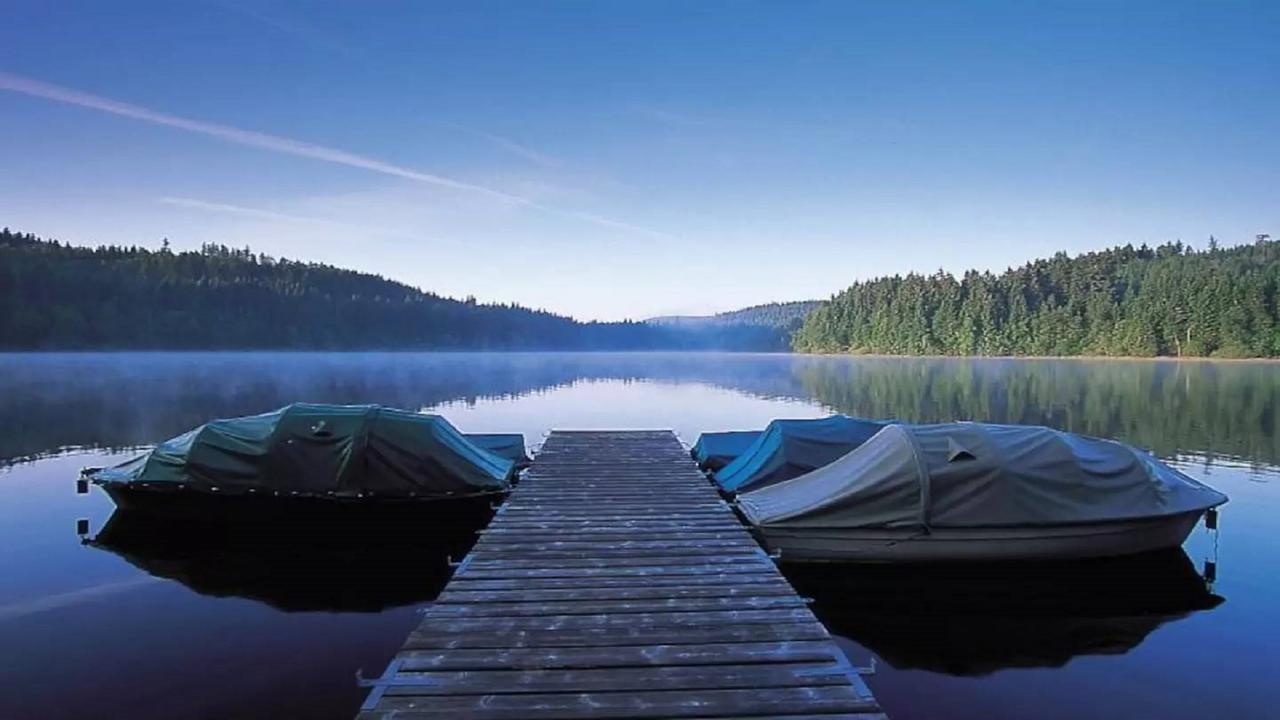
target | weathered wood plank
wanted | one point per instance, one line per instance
(489, 552)
(615, 513)
(674, 531)
(422, 639)
(594, 657)
(674, 618)
(455, 593)
(611, 607)
(496, 546)
(620, 706)
(645, 558)
(642, 571)
(620, 679)
(711, 524)
(462, 582)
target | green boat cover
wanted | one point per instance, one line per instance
(322, 450)
(507, 445)
(789, 448)
(714, 450)
(973, 475)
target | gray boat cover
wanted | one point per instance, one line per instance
(321, 450)
(714, 450)
(966, 475)
(788, 448)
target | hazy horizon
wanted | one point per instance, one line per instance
(610, 161)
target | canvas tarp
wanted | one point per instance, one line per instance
(507, 445)
(321, 450)
(788, 448)
(965, 475)
(714, 450)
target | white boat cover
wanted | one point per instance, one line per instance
(965, 475)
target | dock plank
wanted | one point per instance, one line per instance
(587, 658)
(625, 706)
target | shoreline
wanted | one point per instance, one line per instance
(1089, 358)
(456, 351)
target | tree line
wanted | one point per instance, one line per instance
(62, 297)
(1170, 300)
(760, 327)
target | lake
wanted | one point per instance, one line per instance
(187, 628)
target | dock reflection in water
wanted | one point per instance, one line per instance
(971, 620)
(290, 568)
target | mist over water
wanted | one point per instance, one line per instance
(1213, 409)
(161, 623)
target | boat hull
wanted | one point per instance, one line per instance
(1107, 539)
(443, 516)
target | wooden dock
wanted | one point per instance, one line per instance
(615, 583)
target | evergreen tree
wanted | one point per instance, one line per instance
(1168, 300)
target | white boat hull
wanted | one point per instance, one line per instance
(1060, 542)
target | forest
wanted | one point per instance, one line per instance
(767, 327)
(62, 297)
(1170, 300)
(787, 315)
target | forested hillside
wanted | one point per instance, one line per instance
(57, 296)
(780, 315)
(1170, 300)
(762, 327)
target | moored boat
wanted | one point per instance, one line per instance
(790, 448)
(979, 492)
(334, 463)
(714, 450)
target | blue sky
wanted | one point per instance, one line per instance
(610, 160)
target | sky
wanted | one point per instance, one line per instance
(612, 160)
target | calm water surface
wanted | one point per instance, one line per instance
(186, 627)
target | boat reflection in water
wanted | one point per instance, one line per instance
(292, 568)
(971, 619)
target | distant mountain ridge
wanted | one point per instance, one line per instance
(778, 315)
(768, 327)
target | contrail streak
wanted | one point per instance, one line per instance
(276, 143)
(251, 138)
(508, 144)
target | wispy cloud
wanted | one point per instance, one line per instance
(271, 215)
(593, 218)
(510, 146)
(239, 136)
(278, 144)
